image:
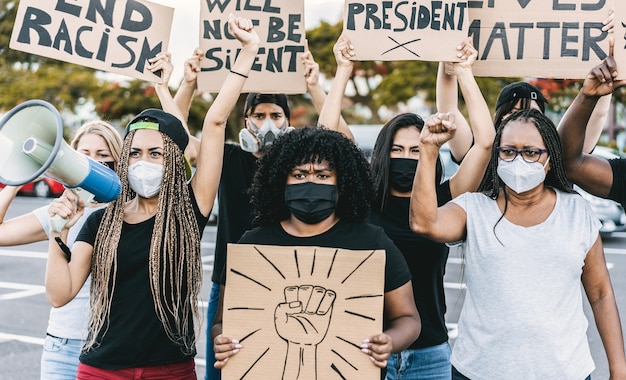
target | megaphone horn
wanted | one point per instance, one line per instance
(31, 144)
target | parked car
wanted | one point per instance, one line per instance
(42, 187)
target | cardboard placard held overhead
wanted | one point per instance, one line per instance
(620, 38)
(302, 311)
(538, 38)
(397, 30)
(280, 26)
(113, 36)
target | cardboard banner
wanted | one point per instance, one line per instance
(620, 37)
(395, 30)
(113, 36)
(302, 312)
(279, 24)
(539, 38)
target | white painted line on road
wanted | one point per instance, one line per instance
(21, 338)
(614, 251)
(25, 254)
(27, 290)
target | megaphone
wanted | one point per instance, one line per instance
(31, 144)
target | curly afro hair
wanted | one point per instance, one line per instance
(308, 145)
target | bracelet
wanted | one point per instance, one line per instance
(66, 250)
(240, 74)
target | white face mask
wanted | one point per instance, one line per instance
(145, 178)
(521, 176)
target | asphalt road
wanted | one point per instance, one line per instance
(24, 308)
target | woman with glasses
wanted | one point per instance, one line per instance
(529, 241)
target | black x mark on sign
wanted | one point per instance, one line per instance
(402, 45)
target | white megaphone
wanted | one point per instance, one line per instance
(31, 144)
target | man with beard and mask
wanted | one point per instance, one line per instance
(528, 241)
(313, 188)
(394, 160)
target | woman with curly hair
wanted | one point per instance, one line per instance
(313, 188)
(143, 250)
(529, 241)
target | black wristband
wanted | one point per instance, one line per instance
(240, 74)
(66, 250)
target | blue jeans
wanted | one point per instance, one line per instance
(214, 298)
(59, 360)
(430, 363)
(456, 375)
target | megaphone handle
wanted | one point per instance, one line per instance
(58, 222)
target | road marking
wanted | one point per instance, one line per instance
(25, 254)
(27, 290)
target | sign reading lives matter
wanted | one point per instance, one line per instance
(113, 36)
(540, 38)
(391, 30)
(280, 26)
(302, 312)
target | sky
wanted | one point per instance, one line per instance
(185, 26)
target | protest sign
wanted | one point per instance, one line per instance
(114, 36)
(280, 26)
(538, 38)
(302, 312)
(391, 30)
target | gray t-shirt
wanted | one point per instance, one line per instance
(523, 312)
(71, 320)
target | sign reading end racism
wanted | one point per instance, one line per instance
(391, 30)
(280, 26)
(113, 36)
(539, 38)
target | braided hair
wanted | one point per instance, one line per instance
(175, 266)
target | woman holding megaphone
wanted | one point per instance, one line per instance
(67, 326)
(143, 250)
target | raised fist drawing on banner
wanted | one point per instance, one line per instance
(303, 321)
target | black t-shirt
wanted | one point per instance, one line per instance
(135, 335)
(427, 262)
(618, 189)
(235, 216)
(346, 235)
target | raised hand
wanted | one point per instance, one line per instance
(243, 30)
(602, 79)
(344, 51)
(438, 129)
(162, 62)
(311, 69)
(192, 67)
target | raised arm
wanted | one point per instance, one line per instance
(473, 166)
(210, 156)
(318, 95)
(187, 88)
(591, 173)
(445, 223)
(22, 229)
(330, 113)
(447, 99)
(163, 63)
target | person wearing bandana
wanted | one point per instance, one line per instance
(313, 188)
(528, 242)
(394, 160)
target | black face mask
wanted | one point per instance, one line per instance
(311, 202)
(108, 164)
(401, 173)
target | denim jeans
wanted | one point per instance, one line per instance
(214, 298)
(456, 375)
(430, 363)
(59, 360)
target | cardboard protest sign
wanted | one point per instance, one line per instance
(538, 38)
(620, 37)
(393, 30)
(114, 36)
(302, 310)
(279, 24)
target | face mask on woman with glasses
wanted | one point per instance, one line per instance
(521, 170)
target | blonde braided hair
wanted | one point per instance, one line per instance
(175, 265)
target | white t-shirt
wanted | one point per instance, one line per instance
(523, 313)
(70, 321)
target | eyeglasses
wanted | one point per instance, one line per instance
(507, 153)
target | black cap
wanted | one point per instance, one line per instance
(255, 98)
(520, 90)
(162, 121)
